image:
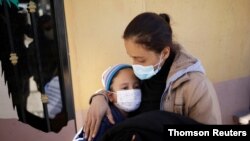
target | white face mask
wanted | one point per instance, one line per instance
(128, 100)
(146, 72)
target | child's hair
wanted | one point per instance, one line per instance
(109, 74)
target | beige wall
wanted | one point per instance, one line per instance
(217, 32)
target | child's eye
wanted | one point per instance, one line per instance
(136, 86)
(124, 88)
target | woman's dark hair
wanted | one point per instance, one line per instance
(150, 29)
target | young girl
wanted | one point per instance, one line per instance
(124, 95)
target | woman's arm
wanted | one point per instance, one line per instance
(98, 109)
(201, 102)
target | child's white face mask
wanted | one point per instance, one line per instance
(128, 100)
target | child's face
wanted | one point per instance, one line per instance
(124, 80)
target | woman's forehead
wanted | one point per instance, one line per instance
(137, 50)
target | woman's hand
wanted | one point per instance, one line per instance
(98, 109)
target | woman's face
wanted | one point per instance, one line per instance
(142, 56)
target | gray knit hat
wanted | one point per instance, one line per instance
(109, 74)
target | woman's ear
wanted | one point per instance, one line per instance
(166, 52)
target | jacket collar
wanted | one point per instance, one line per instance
(182, 60)
(183, 64)
(178, 82)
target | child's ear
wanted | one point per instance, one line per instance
(110, 96)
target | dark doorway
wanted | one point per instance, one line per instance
(35, 62)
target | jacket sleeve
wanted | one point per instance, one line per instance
(79, 136)
(201, 102)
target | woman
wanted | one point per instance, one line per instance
(172, 79)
